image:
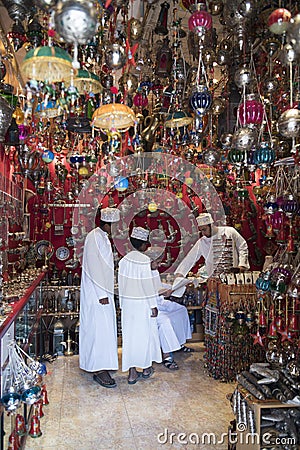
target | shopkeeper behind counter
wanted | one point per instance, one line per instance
(204, 247)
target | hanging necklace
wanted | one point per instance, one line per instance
(59, 226)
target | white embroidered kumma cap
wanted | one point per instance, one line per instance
(204, 219)
(110, 215)
(140, 233)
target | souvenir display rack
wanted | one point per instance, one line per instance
(229, 323)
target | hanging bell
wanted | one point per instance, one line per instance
(45, 395)
(35, 430)
(20, 427)
(14, 441)
(162, 22)
(39, 409)
(272, 333)
(293, 326)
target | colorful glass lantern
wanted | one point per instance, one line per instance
(201, 100)
(278, 21)
(199, 22)
(86, 81)
(251, 111)
(264, 155)
(235, 156)
(178, 119)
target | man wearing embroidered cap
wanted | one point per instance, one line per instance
(204, 247)
(98, 351)
(138, 301)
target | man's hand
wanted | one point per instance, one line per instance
(178, 275)
(154, 312)
(165, 292)
(104, 301)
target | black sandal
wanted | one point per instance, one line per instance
(170, 364)
(185, 349)
(108, 382)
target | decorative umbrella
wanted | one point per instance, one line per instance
(86, 81)
(51, 64)
(113, 116)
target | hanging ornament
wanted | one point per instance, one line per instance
(201, 100)
(244, 138)
(115, 56)
(76, 20)
(17, 36)
(128, 83)
(264, 155)
(244, 76)
(250, 111)
(293, 33)
(5, 117)
(278, 21)
(211, 156)
(162, 22)
(200, 22)
(289, 123)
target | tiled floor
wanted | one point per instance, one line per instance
(82, 415)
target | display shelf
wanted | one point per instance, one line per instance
(260, 440)
(19, 305)
(22, 324)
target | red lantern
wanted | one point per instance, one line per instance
(279, 20)
(35, 430)
(199, 22)
(251, 112)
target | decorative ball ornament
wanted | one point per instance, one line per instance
(121, 184)
(115, 56)
(293, 32)
(76, 21)
(128, 83)
(218, 106)
(288, 54)
(211, 157)
(244, 138)
(278, 21)
(135, 29)
(200, 22)
(215, 7)
(289, 123)
(226, 140)
(269, 85)
(201, 100)
(152, 207)
(243, 76)
(251, 112)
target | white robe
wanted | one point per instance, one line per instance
(204, 247)
(98, 348)
(137, 294)
(173, 321)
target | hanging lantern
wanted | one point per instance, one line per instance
(201, 100)
(251, 111)
(178, 119)
(115, 56)
(76, 21)
(211, 157)
(289, 123)
(290, 206)
(5, 117)
(244, 76)
(200, 22)
(128, 83)
(264, 155)
(235, 156)
(86, 82)
(162, 22)
(278, 21)
(17, 36)
(34, 33)
(244, 138)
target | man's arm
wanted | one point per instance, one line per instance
(242, 249)
(190, 260)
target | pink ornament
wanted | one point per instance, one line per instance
(199, 22)
(251, 112)
(278, 21)
(140, 100)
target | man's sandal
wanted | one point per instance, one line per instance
(170, 364)
(107, 383)
(185, 349)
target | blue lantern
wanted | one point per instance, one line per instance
(201, 100)
(264, 155)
